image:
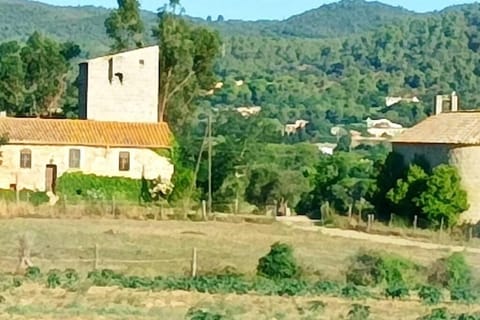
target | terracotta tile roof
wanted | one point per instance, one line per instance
(461, 127)
(85, 132)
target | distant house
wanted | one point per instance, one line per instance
(383, 127)
(448, 137)
(293, 128)
(248, 111)
(326, 148)
(390, 101)
(118, 133)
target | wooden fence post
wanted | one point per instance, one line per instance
(470, 233)
(96, 257)
(236, 206)
(204, 210)
(415, 222)
(113, 206)
(162, 212)
(194, 262)
(390, 223)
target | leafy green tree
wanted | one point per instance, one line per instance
(45, 67)
(444, 197)
(187, 55)
(404, 196)
(12, 74)
(125, 26)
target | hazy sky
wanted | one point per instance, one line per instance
(257, 9)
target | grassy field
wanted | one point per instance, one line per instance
(130, 246)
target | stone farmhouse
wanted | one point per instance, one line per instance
(118, 133)
(448, 137)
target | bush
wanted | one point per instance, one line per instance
(430, 295)
(365, 269)
(372, 268)
(397, 290)
(455, 274)
(33, 197)
(437, 314)
(196, 314)
(353, 292)
(33, 273)
(359, 312)
(325, 287)
(279, 263)
(463, 294)
(53, 278)
(292, 287)
(81, 186)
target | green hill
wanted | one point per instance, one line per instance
(343, 18)
(84, 24)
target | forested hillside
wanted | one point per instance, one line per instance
(84, 25)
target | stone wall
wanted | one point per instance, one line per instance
(121, 87)
(93, 160)
(465, 158)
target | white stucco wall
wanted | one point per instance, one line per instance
(133, 100)
(465, 158)
(93, 160)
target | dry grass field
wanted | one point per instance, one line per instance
(164, 248)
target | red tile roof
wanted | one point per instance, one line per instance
(85, 132)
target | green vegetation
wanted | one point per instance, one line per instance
(279, 263)
(79, 186)
(434, 196)
(35, 198)
(375, 268)
(125, 26)
(312, 67)
(430, 295)
(359, 312)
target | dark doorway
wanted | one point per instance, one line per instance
(50, 178)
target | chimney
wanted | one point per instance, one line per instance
(438, 104)
(454, 102)
(451, 100)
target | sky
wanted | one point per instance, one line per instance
(257, 9)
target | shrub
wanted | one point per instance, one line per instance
(81, 186)
(265, 286)
(198, 314)
(325, 287)
(397, 290)
(352, 291)
(372, 268)
(279, 263)
(430, 295)
(464, 294)
(455, 274)
(53, 278)
(33, 273)
(365, 269)
(292, 287)
(437, 314)
(359, 312)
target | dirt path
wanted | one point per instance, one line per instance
(303, 223)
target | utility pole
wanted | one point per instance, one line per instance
(210, 163)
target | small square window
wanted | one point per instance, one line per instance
(25, 159)
(124, 161)
(74, 158)
(142, 62)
